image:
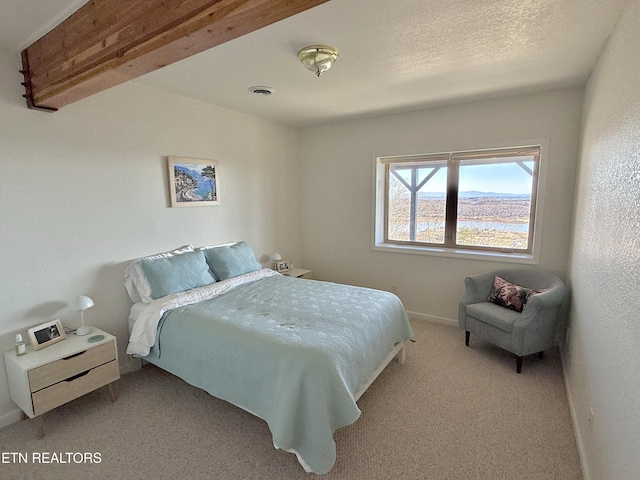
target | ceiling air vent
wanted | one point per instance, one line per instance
(262, 90)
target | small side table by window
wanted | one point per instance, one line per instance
(42, 380)
(298, 273)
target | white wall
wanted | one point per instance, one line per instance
(602, 363)
(84, 190)
(337, 168)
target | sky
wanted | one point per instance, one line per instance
(496, 178)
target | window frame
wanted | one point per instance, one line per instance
(381, 242)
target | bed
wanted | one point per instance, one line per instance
(297, 353)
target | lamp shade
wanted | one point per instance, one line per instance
(81, 303)
(318, 58)
(275, 257)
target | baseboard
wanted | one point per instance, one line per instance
(582, 454)
(9, 418)
(130, 365)
(433, 319)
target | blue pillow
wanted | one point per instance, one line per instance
(177, 273)
(232, 260)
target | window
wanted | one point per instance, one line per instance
(469, 202)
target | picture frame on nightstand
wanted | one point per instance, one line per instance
(46, 334)
(283, 266)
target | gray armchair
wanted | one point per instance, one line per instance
(531, 331)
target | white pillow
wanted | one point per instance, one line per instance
(135, 280)
(209, 247)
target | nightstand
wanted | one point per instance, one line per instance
(298, 273)
(42, 380)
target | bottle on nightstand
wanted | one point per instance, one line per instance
(21, 348)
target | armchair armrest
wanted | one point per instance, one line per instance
(553, 297)
(478, 288)
(539, 311)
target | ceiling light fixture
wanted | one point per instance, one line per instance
(260, 90)
(318, 58)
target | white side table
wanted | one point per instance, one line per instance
(298, 273)
(44, 379)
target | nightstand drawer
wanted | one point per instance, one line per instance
(67, 367)
(75, 386)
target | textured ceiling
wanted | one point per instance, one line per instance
(395, 56)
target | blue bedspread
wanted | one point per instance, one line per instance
(291, 351)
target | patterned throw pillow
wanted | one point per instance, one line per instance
(510, 295)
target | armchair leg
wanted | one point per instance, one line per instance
(519, 365)
(467, 334)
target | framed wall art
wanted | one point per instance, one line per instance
(193, 182)
(46, 334)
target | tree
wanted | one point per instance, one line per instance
(210, 173)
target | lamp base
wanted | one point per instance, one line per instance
(83, 330)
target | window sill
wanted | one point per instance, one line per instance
(458, 253)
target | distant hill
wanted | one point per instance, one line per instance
(196, 175)
(475, 193)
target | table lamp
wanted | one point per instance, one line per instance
(80, 304)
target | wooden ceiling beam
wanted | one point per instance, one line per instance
(108, 42)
